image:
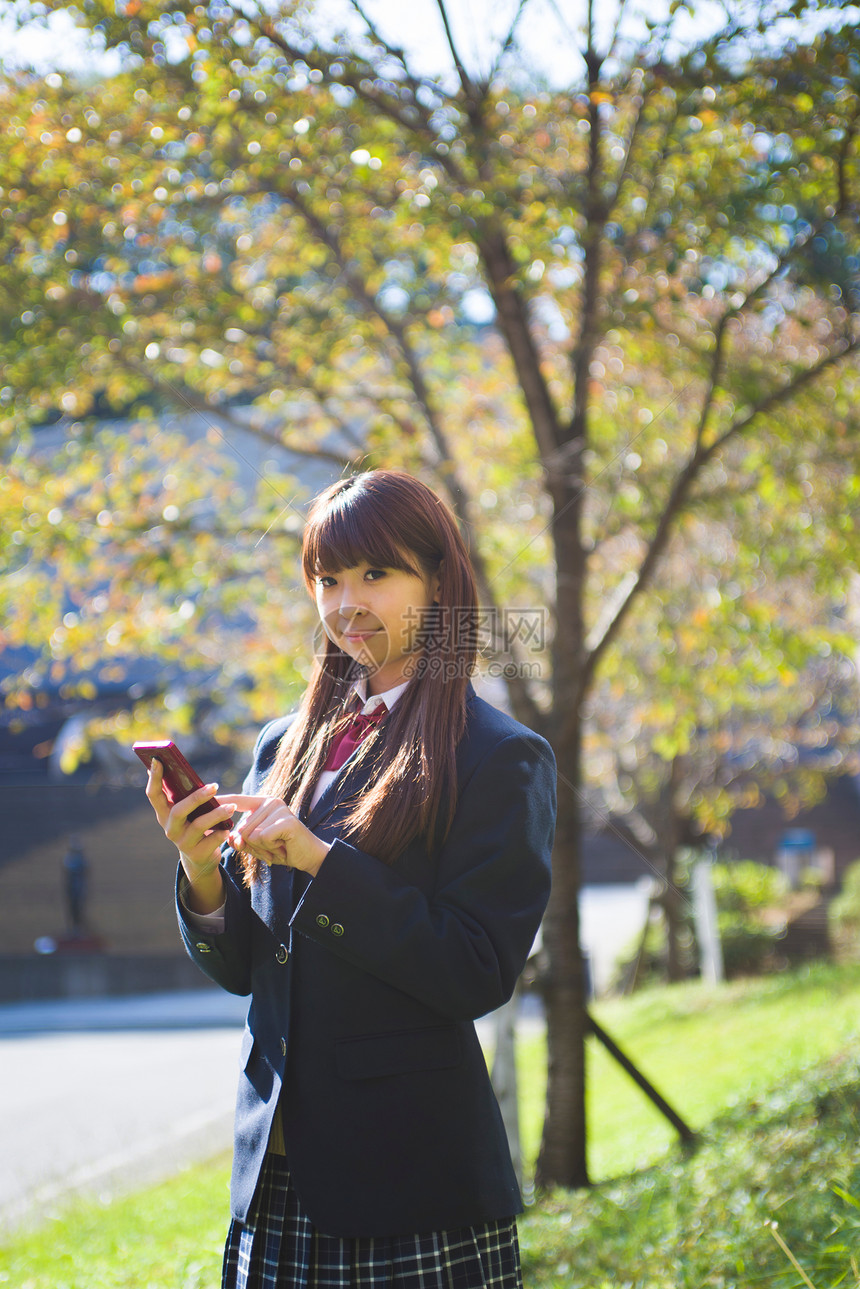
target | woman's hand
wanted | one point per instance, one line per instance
(198, 844)
(271, 832)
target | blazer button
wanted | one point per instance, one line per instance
(283, 1047)
(282, 954)
(336, 928)
(322, 920)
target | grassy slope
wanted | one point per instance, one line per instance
(770, 1199)
(169, 1236)
(704, 1049)
(756, 1064)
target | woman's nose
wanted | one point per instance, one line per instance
(349, 609)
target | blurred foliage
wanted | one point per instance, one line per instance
(844, 915)
(614, 321)
(747, 888)
(252, 214)
(744, 892)
(752, 901)
(729, 689)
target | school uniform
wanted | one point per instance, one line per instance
(365, 982)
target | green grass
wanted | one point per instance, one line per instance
(169, 1236)
(758, 1067)
(774, 1186)
(705, 1049)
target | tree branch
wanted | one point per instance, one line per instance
(495, 254)
(616, 29)
(640, 100)
(717, 358)
(467, 84)
(370, 305)
(397, 54)
(180, 394)
(785, 391)
(657, 160)
(680, 494)
(512, 314)
(508, 42)
(414, 117)
(595, 219)
(842, 162)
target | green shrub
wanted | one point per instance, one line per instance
(743, 892)
(845, 909)
(747, 888)
(844, 916)
(747, 947)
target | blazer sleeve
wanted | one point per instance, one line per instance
(225, 956)
(460, 949)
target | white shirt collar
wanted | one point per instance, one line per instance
(387, 698)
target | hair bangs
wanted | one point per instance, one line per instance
(348, 531)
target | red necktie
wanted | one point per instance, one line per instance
(357, 728)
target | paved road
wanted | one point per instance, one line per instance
(106, 1094)
(109, 1094)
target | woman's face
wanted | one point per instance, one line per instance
(374, 615)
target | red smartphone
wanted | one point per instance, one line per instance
(180, 780)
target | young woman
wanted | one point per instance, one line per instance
(381, 889)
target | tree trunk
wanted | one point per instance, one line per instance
(562, 1159)
(670, 828)
(504, 1077)
(671, 901)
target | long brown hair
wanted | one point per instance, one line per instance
(388, 519)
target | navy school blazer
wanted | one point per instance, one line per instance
(364, 987)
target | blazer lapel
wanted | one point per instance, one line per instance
(351, 781)
(326, 803)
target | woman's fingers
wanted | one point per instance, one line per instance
(186, 833)
(258, 813)
(265, 828)
(155, 791)
(243, 801)
(197, 840)
(271, 831)
(271, 855)
(179, 826)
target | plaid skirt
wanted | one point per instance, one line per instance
(278, 1248)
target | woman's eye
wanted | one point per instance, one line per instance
(325, 580)
(374, 574)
